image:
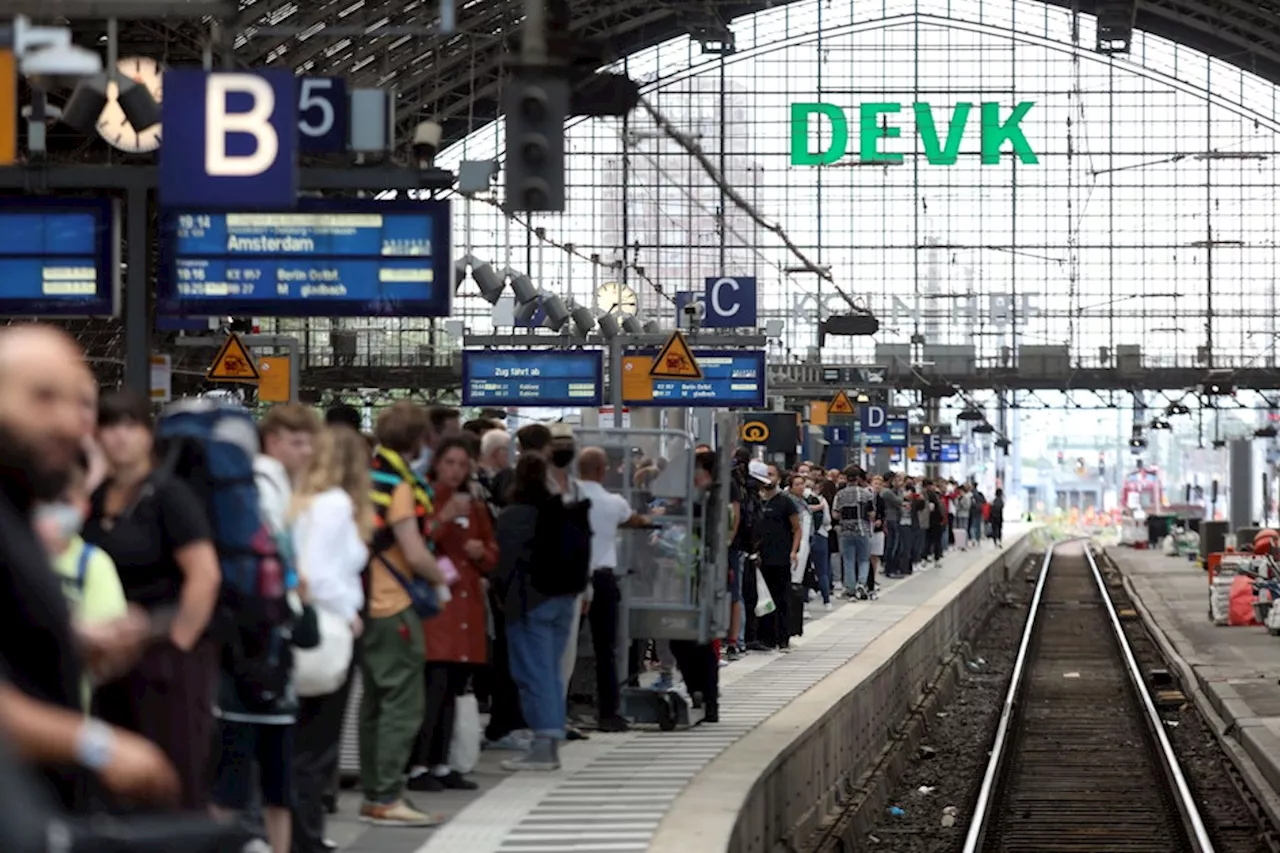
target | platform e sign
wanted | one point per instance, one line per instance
(230, 139)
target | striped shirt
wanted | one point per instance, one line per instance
(853, 507)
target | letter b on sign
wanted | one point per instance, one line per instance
(230, 139)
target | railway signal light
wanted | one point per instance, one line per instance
(536, 105)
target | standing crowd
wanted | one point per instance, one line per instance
(191, 602)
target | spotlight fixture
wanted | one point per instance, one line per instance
(557, 312)
(631, 325)
(862, 397)
(1177, 409)
(652, 326)
(1268, 431)
(971, 415)
(1137, 442)
(522, 287)
(87, 101)
(583, 320)
(608, 326)
(1219, 443)
(526, 311)
(1160, 424)
(983, 428)
(1219, 388)
(487, 279)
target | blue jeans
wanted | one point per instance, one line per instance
(536, 643)
(821, 564)
(738, 565)
(855, 551)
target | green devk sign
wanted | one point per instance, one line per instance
(873, 126)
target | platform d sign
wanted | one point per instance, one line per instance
(675, 360)
(233, 363)
(840, 405)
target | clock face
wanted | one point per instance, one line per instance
(113, 127)
(615, 298)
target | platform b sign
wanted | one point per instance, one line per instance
(230, 139)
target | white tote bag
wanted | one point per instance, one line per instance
(322, 670)
(464, 749)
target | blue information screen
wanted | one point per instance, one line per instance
(330, 258)
(730, 379)
(532, 377)
(950, 451)
(894, 433)
(57, 257)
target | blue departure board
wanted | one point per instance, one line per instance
(730, 379)
(531, 377)
(894, 433)
(350, 257)
(58, 257)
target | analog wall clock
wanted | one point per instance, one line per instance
(113, 127)
(615, 298)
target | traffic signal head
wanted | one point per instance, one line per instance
(536, 105)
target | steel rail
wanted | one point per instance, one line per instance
(982, 808)
(982, 811)
(1168, 758)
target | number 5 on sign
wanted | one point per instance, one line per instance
(322, 115)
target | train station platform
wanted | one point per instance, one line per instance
(1232, 672)
(646, 790)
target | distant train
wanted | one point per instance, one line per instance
(1143, 489)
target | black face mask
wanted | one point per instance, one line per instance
(562, 457)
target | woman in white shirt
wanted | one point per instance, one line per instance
(331, 522)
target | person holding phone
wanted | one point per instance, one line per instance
(457, 639)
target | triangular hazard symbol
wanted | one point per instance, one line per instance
(675, 361)
(840, 405)
(233, 364)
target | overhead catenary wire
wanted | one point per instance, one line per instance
(695, 151)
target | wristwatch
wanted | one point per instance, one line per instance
(95, 742)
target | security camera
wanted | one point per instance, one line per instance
(691, 310)
(426, 143)
(55, 67)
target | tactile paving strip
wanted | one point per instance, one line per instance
(614, 790)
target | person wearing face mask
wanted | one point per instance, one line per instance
(88, 574)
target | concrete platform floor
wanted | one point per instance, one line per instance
(1237, 668)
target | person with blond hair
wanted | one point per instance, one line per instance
(331, 523)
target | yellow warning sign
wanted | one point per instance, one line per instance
(840, 405)
(675, 360)
(234, 363)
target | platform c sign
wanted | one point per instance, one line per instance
(754, 432)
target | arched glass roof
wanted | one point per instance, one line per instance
(1148, 219)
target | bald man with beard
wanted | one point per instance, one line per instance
(43, 430)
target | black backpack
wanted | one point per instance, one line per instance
(752, 509)
(561, 562)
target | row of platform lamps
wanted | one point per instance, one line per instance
(559, 312)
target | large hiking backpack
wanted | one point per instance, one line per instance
(211, 447)
(561, 562)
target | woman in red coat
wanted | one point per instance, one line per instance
(457, 639)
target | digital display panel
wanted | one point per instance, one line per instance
(950, 451)
(532, 377)
(730, 379)
(58, 257)
(331, 258)
(893, 434)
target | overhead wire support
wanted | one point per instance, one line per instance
(745, 206)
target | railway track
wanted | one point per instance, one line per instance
(1081, 762)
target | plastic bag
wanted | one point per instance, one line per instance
(464, 750)
(764, 601)
(1240, 611)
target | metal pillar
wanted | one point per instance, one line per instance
(1240, 484)
(137, 323)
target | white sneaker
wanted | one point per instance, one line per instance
(827, 606)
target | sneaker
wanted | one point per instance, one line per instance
(730, 654)
(543, 757)
(398, 813)
(613, 724)
(860, 592)
(573, 733)
(827, 606)
(517, 741)
(872, 595)
(451, 781)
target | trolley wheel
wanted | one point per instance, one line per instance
(667, 715)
